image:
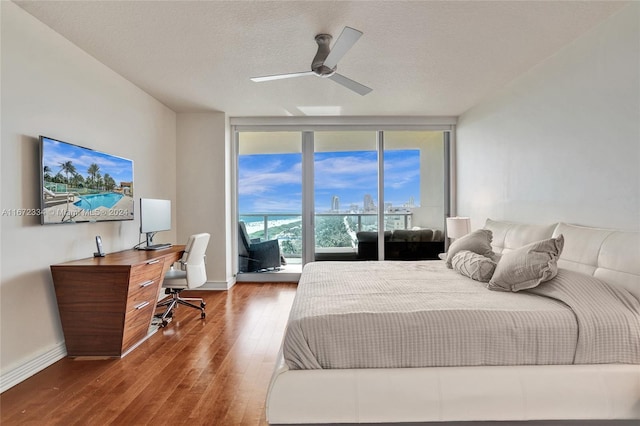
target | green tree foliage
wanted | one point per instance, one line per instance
(68, 168)
(109, 182)
(47, 173)
(77, 181)
(93, 172)
(332, 232)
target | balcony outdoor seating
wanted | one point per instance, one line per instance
(402, 244)
(255, 255)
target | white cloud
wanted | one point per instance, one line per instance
(267, 177)
(345, 172)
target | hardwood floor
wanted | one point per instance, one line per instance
(208, 372)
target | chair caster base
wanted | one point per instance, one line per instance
(162, 322)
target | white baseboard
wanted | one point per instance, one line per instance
(22, 372)
(215, 285)
(268, 277)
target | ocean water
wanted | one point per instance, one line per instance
(260, 217)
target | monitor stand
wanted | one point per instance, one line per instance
(150, 238)
(151, 246)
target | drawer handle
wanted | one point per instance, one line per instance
(146, 284)
(151, 262)
(142, 305)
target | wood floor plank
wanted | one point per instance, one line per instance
(211, 371)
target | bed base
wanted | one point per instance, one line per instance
(603, 392)
(448, 394)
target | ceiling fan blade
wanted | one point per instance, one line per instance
(347, 39)
(281, 76)
(350, 84)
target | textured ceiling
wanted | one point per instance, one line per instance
(420, 57)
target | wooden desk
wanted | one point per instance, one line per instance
(107, 303)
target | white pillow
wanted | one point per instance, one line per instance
(473, 265)
(527, 266)
(478, 242)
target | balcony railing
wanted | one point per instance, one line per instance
(331, 234)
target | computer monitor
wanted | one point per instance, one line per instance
(155, 216)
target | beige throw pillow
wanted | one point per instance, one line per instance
(473, 265)
(478, 242)
(527, 266)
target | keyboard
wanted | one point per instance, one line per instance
(157, 246)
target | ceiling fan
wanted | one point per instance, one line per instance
(325, 63)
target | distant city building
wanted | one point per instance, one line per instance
(353, 208)
(369, 205)
(335, 204)
(399, 210)
(411, 203)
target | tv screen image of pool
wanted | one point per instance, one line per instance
(79, 184)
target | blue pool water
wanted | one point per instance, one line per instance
(91, 202)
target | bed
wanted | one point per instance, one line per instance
(330, 371)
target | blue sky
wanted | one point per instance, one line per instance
(273, 182)
(55, 153)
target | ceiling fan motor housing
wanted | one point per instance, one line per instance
(317, 66)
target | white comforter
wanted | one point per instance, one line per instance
(421, 314)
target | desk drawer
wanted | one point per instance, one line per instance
(144, 272)
(144, 279)
(144, 292)
(136, 324)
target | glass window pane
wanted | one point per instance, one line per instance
(270, 189)
(346, 188)
(414, 184)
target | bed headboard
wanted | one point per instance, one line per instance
(508, 236)
(613, 256)
(610, 255)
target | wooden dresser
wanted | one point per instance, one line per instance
(107, 303)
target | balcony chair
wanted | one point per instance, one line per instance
(255, 255)
(191, 274)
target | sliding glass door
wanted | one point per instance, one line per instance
(414, 180)
(345, 192)
(321, 193)
(270, 189)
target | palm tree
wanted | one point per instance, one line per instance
(99, 181)
(47, 173)
(93, 171)
(77, 180)
(68, 167)
(109, 182)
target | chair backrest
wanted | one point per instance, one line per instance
(193, 259)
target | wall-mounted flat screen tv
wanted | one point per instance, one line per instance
(82, 185)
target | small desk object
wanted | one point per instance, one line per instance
(107, 303)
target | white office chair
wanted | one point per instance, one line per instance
(192, 274)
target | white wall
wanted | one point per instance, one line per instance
(51, 87)
(562, 142)
(204, 189)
